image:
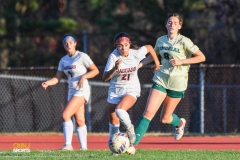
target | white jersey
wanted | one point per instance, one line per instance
(125, 79)
(74, 67)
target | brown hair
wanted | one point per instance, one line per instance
(175, 15)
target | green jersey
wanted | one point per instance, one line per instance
(168, 76)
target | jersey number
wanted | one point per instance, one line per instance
(126, 77)
(166, 55)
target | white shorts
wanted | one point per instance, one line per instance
(84, 91)
(116, 97)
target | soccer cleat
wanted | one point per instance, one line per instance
(66, 148)
(180, 131)
(131, 134)
(114, 154)
(131, 150)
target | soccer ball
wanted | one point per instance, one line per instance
(119, 143)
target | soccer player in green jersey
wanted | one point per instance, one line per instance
(177, 52)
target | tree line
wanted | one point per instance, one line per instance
(31, 31)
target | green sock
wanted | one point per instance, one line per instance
(176, 121)
(141, 129)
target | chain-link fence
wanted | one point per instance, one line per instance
(210, 104)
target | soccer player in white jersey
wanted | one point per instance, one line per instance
(75, 65)
(177, 52)
(121, 69)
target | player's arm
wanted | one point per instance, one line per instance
(108, 74)
(198, 57)
(145, 61)
(53, 80)
(151, 57)
(93, 71)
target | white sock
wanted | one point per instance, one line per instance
(68, 132)
(124, 117)
(82, 136)
(113, 128)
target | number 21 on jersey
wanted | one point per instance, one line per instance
(126, 77)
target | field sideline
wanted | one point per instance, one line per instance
(45, 145)
(53, 141)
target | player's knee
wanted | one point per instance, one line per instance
(66, 117)
(80, 122)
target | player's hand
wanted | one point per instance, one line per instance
(117, 64)
(140, 65)
(80, 83)
(154, 68)
(176, 62)
(44, 85)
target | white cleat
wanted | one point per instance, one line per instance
(114, 154)
(66, 148)
(131, 150)
(180, 131)
(131, 134)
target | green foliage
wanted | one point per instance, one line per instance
(2, 29)
(142, 19)
(60, 25)
(97, 3)
(194, 5)
(66, 25)
(20, 6)
(34, 4)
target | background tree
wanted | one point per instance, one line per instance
(30, 31)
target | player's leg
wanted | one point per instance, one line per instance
(114, 123)
(121, 111)
(71, 108)
(155, 99)
(82, 128)
(167, 116)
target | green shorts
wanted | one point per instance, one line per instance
(170, 93)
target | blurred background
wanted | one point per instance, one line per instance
(30, 49)
(31, 31)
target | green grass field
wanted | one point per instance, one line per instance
(140, 154)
